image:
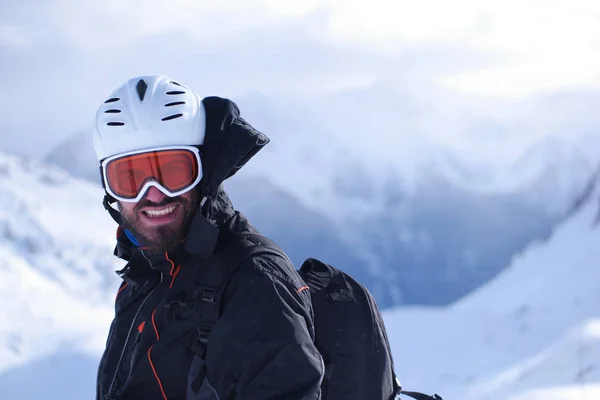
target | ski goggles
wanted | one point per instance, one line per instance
(172, 170)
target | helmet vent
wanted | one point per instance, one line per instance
(112, 111)
(175, 83)
(172, 92)
(175, 103)
(115, 124)
(112, 100)
(171, 117)
(141, 89)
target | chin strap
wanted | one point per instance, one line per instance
(113, 213)
(109, 199)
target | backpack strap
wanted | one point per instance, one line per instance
(395, 382)
(420, 396)
(415, 395)
(215, 276)
(212, 281)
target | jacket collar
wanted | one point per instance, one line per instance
(140, 260)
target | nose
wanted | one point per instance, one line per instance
(154, 195)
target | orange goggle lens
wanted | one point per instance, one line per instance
(175, 170)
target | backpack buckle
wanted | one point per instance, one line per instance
(203, 334)
(175, 304)
(208, 295)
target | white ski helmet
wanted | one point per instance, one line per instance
(148, 112)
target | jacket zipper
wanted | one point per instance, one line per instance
(132, 326)
(131, 359)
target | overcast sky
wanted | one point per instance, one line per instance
(472, 74)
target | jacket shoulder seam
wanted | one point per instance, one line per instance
(257, 262)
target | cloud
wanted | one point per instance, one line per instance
(540, 45)
(62, 86)
(99, 25)
(467, 74)
(537, 45)
(13, 36)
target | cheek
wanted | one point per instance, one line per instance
(192, 198)
(127, 209)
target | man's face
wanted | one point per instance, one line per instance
(158, 221)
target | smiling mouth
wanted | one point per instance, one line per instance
(160, 213)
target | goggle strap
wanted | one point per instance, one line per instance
(102, 176)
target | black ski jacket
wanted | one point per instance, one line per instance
(262, 346)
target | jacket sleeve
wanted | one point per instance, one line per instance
(262, 347)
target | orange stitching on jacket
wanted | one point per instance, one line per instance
(122, 288)
(162, 390)
(303, 288)
(175, 276)
(172, 264)
(154, 324)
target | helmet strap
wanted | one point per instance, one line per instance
(113, 213)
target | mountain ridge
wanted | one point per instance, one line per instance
(396, 233)
(532, 329)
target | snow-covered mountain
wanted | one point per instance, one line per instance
(533, 332)
(439, 222)
(76, 155)
(547, 175)
(56, 260)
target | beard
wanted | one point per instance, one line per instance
(164, 238)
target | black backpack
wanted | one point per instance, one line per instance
(358, 362)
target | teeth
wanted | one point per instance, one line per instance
(160, 213)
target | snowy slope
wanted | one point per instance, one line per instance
(533, 331)
(56, 260)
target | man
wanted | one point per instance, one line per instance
(164, 153)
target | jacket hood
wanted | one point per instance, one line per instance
(230, 142)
